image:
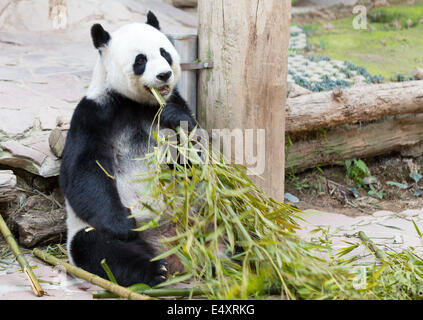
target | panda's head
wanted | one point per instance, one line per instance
(134, 59)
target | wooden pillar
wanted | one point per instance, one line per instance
(248, 43)
(186, 45)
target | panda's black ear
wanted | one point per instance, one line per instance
(152, 20)
(100, 36)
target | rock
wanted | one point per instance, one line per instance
(291, 198)
(185, 3)
(57, 141)
(7, 186)
(31, 155)
(15, 123)
(418, 73)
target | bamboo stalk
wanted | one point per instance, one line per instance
(154, 293)
(26, 268)
(380, 254)
(170, 292)
(91, 278)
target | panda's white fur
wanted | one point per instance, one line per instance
(110, 127)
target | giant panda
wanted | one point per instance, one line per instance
(109, 132)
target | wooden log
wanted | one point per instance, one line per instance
(7, 186)
(364, 103)
(40, 220)
(247, 41)
(356, 141)
(37, 227)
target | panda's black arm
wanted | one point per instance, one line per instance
(93, 195)
(176, 111)
(173, 114)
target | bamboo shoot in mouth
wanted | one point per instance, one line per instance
(158, 94)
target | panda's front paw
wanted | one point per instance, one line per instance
(172, 117)
(157, 273)
(186, 122)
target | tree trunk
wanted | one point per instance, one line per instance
(325, 109)
(7, 186)
(248, 43)
(356, 141)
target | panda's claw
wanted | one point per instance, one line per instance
(159, 276)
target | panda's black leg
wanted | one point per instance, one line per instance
(129, 261)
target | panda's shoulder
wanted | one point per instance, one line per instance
(92, 113)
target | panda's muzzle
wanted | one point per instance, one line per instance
(164, 76)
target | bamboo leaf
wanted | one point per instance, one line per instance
(108, 271)
(417, 229)
(166, 254)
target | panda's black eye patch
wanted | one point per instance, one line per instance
(166, 55)
(140, 64)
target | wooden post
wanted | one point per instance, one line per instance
(248, 43)
(186, 45)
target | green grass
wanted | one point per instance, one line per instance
(382, 49)
(402, 14)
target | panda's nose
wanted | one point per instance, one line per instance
(164, 76)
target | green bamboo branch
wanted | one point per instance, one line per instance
(26, 268)
(155, 293)
(380, 254)
(118, 290)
